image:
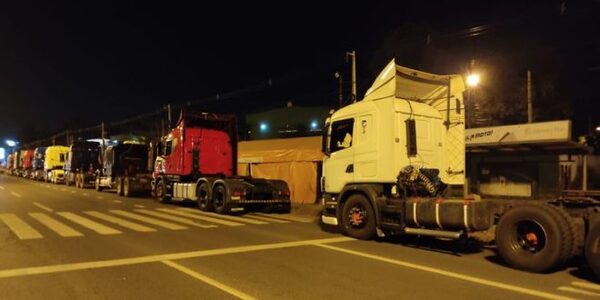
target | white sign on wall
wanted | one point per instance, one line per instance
(543, 132)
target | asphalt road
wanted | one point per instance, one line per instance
(59, 242)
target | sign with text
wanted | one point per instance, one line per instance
(543, 132)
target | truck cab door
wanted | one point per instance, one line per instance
(338, 166)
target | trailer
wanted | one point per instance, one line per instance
(124, 168)
(197, 161)
(81, 164)
(395, 165)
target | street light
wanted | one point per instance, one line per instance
(598, 128)
(11, 143)
(473, 80)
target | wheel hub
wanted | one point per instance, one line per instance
(531, 236)
(357, 216)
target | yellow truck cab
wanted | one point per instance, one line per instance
(54, 163)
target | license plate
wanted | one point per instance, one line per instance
(237, 209)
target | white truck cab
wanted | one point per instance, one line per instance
(407, 118)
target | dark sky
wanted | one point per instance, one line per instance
(77, 64)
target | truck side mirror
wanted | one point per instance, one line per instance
(324, 139)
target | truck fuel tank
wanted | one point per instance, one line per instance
(469, 215)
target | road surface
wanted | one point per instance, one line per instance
(59, 242)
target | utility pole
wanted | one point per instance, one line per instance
(103, 133)
(529, 99)
(353, 56)
(340, 92)
(169, 116)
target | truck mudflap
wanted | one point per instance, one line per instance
(592, 245)
(469, 215)
(258, 195)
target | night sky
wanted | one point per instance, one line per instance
(75, 65)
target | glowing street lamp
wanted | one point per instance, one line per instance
(473, 80)
(598, 128)
(11, 143)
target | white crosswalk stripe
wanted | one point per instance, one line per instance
(144, 220)
(199, 217)
(21, 229)
(287, 217)
(230, 218)
(273, 220)
(55, 225)
(121, 222)
(174, 218)
(87, 223)
(2, 188)
(148, 220)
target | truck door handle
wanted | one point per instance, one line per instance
(350, 168)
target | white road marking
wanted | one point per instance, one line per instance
(2, 188)
(73, 192)
(273, 220)
(203, 218)
(120, 222)
(139, 206)
(577, 291)
(231, 218)
(46, 208)
(63, 189)
(56, 226)
(454, 275)
(21, 229)
(16, 194)
(174, 218)
(161, 257)
(117, 201)
(85, 194)
(286, 217)
(208, 280)
(148, 220)
(586, 285)
(85, 222)
(99, 197)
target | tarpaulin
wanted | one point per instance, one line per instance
(294, 160)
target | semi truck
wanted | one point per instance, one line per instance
(54, 161)
(125, 168)
(81, 164)
(17, 163)
(395, 165)
(197, 161)
(27, 163)
(39, 155)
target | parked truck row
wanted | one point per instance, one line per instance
(195, 161)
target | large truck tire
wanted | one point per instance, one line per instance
(535, 238)
(592, 248)
(119, 186)
(220, 203)
(203, 195)
(161, 191)
(127, 187)
(358, 218)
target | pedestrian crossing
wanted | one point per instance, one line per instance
(69, 224)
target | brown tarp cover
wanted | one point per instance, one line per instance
(293, 160)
